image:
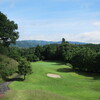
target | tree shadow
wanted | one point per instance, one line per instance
(59, 63)
(65, 70)
(56, 62)
(96, 76)
(15, 79)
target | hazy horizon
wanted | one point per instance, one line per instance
(57, 41)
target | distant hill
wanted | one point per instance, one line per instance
(34, 43)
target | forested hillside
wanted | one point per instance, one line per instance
(34, 43)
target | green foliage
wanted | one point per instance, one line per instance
(3, 50)
(48, 52)
(83, 60)
(97, 62)
(8, 33)
(38, 52)
(8, 66)
(24, 67)
(14, 52)
(95, 47)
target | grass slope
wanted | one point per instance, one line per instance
(71, 85)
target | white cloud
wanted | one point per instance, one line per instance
(97, 23)
(89, 37)
(55, 31)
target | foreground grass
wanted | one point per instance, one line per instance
(71, 85)
(32, 95)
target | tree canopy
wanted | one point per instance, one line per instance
(8, 33)
(24, 67)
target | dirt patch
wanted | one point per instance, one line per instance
(53, 75)
(1, 95)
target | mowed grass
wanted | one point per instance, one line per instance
(71, 86)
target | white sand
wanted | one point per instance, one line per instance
(53, 75)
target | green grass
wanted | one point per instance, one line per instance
(71, 86)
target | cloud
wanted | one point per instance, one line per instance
(56, 30)
(97, 23)
(89, 37)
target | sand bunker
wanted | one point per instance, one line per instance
(53, 75)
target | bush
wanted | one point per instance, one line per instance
(7, 66)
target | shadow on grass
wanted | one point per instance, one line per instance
(59, 64)
(56, 62)
(96, 76)
(65, 70)
(15, 79)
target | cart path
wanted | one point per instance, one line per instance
(4, 86)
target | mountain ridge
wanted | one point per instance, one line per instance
(34, 43)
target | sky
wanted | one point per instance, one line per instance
(52, 20)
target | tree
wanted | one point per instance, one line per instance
(14, 52)
(83, 60)
(8, 33)
(24, 67)
(97, 62)
(38, 52)
(63, 40)
(48, 54)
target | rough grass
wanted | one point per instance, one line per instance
(71, 86)
(33, 95)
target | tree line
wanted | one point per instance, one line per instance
(81, 57)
